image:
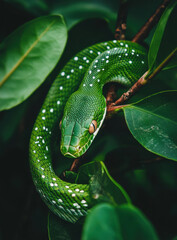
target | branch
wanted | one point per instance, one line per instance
(141, 82)
(152, 21)
(121, 20)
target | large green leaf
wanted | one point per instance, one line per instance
(163, 41)
(117, 223)
(28, 55)
(103, 188)
(153, 122)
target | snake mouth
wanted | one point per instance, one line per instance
(69, 155)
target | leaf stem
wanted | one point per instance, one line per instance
(151, 74)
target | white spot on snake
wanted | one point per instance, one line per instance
(69, 190)
(46, 148)
(91, 85)
(77, 190)
(102, 69)
(43, 176)
(38, 160)
(34, 151)
(83, 201)
(98, 70)
(68, 77)
(58, 102)
(108, 47)
(84, 58)
(53, 201)
(130, 62)
(61, 87)
(137, 55)
(51, 110)
(121, 44)
(43, 140)
(54, 179)
(105, 43)
(36, 128)
(85, 205)
(42, 168)
(98, 53)
(114, 41)
(43, 110)
(126, 45)
(133, 53)
(87, 61)
(115, 48)
(107, 61)
(81, 191)
(93, 77)
(76, 58)
(90, 71)
(73, 195)
(43, 118)
(133, 50)
(51, 184)
(98, 80)
(60, 200)
(62, 73)
(142, 62)
(119, 56)
(91, 51)
(96, 61)
(102, 59)
(95, 66)
(107, 56)
(84, 85)
(72, 70)
(126, 54)
(66, 186)
(80, 67)
(56, 184)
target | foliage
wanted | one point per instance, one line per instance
(140, 142)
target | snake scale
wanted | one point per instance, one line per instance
(75, 102)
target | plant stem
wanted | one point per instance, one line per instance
(141, 82)
(121, 20)
(152, 74)
(145, 30)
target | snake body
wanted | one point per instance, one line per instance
(76, 98)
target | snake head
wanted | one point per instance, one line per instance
(83, 116)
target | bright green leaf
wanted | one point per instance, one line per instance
(103, 188)
(28, 55)
(153, 123)
(155, 46)
(117, 223)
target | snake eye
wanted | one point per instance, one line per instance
(93, 127)
(60, 124)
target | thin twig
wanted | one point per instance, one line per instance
(75, 165)
(141, 82)
(121, 21)
(145, 30)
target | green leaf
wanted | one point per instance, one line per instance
(28, 55)
(59, 229)
(117, 223)
(153, 123)
(103, 188)
(156, 52)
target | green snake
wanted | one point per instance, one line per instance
(75, 103)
